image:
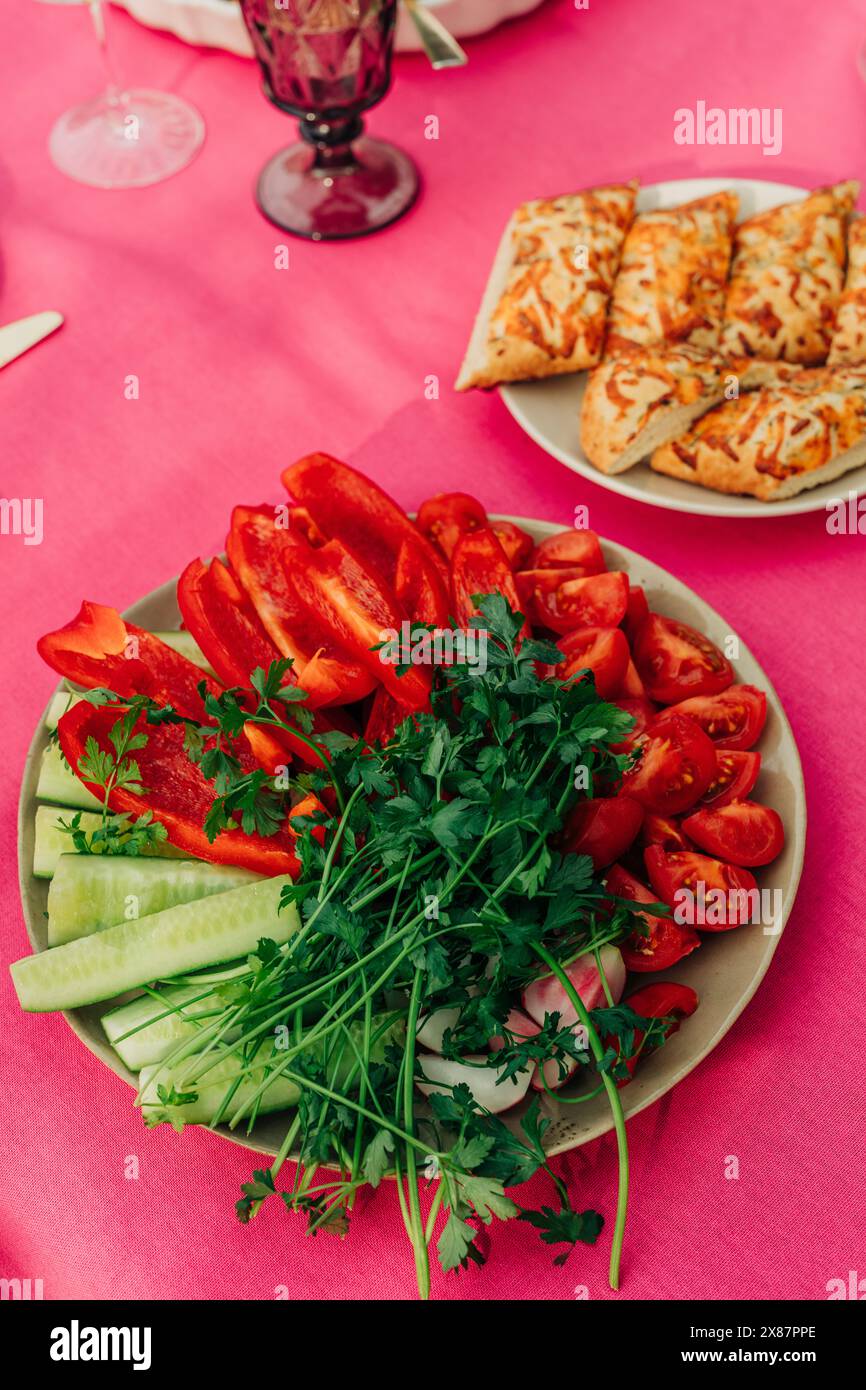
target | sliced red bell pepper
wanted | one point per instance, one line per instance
(418, 586)
(261, 556)
(357, 609)
(178, 795)
(351, 508)
(657, 1001)
(99, 647)
(479, 566)
(443, 519)
(225, 625)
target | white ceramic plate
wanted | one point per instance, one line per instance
(726, 969)
(549, 411)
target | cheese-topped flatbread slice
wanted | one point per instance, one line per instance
(544, 309)
(671, 282)
(849, 339)
(640, 398)
(787, 276)
(773, 443)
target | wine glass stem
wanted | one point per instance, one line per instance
(332, 143)
(113, 90)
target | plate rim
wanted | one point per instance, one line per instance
(705, 503)
(642, 1092)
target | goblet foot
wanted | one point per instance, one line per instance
(373, 186)
(126, 140)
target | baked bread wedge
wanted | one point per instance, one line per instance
(671, 282)
(641, 398)
(545, 305)
(787, 276)
(775, 442)
(849, 339)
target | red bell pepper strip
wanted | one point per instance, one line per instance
(225, 625)
(350, 603)
(351, 508)
(479, 566)
(657, 1001)
(99, 647)
(419, 587)
(261, 556)
(443, 519)
(178, 795)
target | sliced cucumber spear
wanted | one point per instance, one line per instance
(167, 943)
(58, 783)
(145, 1031)
(50, 842)
(90, 892)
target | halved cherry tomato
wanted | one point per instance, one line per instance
(663, 830)
(662, 1000)
(675, 661)
(701, 890)
(596, 600)
(636, 610)
(602, 828)
(736, 775)
(443, 519)
(356, 609)
(743, 833)
(733, 719)
(569, 548)
(677, 764)
(260, 555)
(178, 795)
(642, 711)
(517, 544)
(633, 687)
(667, 942)
(601, 650)
(479, 566)
(349, 507)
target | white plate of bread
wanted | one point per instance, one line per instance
(698, 344)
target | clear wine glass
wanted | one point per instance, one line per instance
(126, 137)
(326, 61)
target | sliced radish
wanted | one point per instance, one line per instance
(481, 1080)
(547, 996)
(518, 1023)
(522, 1026)
(432, 1030)
(552, 1075)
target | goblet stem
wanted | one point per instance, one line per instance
(114, 92)
(332, 143)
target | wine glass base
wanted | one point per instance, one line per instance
(126, 141)
(334, 204)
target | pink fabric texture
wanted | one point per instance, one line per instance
(242, 368)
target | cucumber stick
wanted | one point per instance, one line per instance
(90, 892)
(50, 842)
(146, 1030)
(179, 939)
(58, 783)
(61, 701)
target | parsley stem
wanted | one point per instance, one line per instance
(615, 1105)
(419, 1242)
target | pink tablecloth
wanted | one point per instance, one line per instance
(243, 367)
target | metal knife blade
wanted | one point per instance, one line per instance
(16, 338)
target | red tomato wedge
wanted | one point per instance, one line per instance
(601, 650)
(443, 519)
(666, 943)
(357, 610)
(675, 661)
(569, 548)
(517, 543)
(677, 763)
(662, 1000)
(733, 719)
(736, 775)
(632, 686)
(702, 892)
(260, 555)
(663, 830)
(743, 832)
(479, 566)
(602, 828)
(642, 711)
(562, 602)
(636, 611)
(99, 647)
(177, 794)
